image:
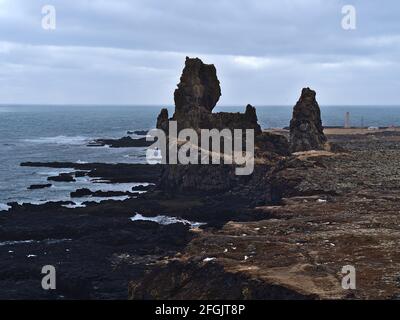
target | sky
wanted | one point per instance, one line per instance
(133, 51)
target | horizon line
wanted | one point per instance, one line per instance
(171, 105)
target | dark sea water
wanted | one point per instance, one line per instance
(60, 133)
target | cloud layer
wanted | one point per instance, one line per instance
(132, 51)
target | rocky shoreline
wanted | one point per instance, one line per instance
(97, 249)
(343, 212)
(314, 203)
(332, 210)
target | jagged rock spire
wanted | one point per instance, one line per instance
(199, 87)
(306, 131)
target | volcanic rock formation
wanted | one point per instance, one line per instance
(306, 131)
(196, 96)
(198, 88)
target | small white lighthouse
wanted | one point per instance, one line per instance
(347, 120)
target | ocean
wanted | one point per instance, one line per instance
(61, 133)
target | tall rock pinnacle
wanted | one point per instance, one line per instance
(306, 131)
(198, 88)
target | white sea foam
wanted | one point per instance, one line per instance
(4, 207)
(38, 202)
(46, 241)
(100, 199)
(81, 203)
(54, 172)
(209, 259)
(123, 187)
(73, 206)
(68, 140)
(165, 220)
(104, 185)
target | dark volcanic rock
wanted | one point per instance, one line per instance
(237, 120)
(84, 192)
(199, 87)
(62, 177)
(80, 174)
(201, 280)
(217, 180)
(143, 187)
(272, 143)
(39, 186)
(162, 120)
(306, 131)
(141, 132)
(138, 132)
(196, 96)
(96, 252)
(115, 173)
(125, 142)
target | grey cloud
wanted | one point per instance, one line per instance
(132, 52)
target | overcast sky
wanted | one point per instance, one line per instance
(265, 51)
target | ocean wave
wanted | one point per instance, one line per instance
(54, 172)
(68, 140)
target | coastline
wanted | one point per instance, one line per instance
(325, 210)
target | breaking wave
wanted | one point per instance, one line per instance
(165, 220)
(67, 140)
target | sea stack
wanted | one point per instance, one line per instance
(306, 131)
(195, 98)
(199, 87)
(197, 94)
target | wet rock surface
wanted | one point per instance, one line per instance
(125, 142)
(97, 249)
(39, 186)
(62, 177)
(94, 252)
(115, 173)
(84, 192)
(138, 132)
